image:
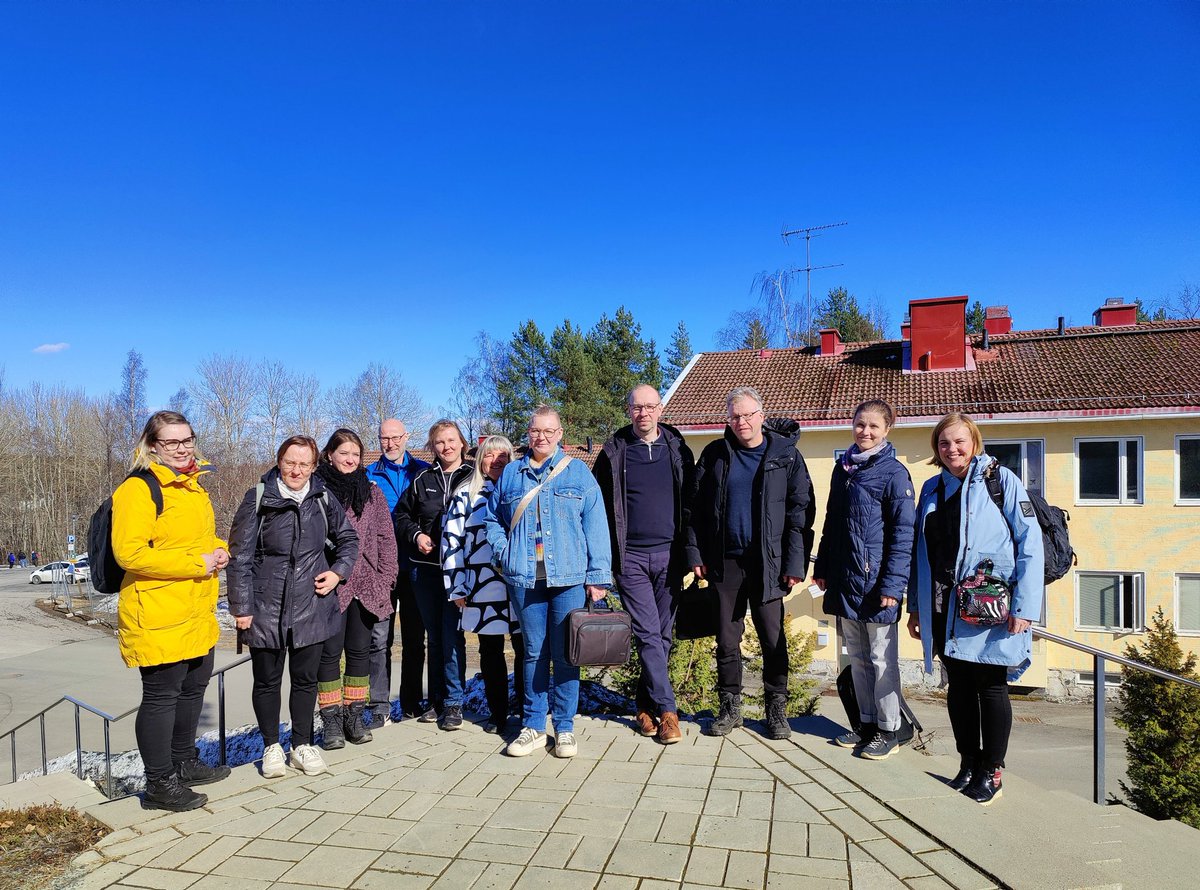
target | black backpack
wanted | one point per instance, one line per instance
(106, 572)
(1056, 541)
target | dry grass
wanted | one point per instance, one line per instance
(38, 843)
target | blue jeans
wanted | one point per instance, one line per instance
(454, 648)
(543, 615)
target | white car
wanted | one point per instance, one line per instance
(77, 572)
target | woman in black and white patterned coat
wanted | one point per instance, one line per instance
(474, 585)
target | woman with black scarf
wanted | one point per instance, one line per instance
(364, 598)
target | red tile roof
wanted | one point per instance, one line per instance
(1101, 370)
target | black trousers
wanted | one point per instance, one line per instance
(977, 702)
(412, 645)
(166, 723)
(303, 664)
(495, 674)
(741, 586)
(355, 640)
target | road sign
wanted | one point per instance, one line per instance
(71, 540)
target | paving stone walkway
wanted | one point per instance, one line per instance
(420, 808)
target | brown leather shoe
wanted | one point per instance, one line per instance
(646, 724)
(668, 731)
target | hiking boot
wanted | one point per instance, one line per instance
(730, 716)
(356, 730)
(171, 794)
(985, 786)
(273, 762)
(777, 725)
(526, 743)
(452, 718)
(565, 745)
(194, 771)
(857, 739)
(334, 737)
(668, 731)
(966, 770)
(645, 724)
(883, 746)
(308, 760)
(429, 715)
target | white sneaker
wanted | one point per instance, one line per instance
(564, 745)
(272, 762)
(526, 743)
(308, 760)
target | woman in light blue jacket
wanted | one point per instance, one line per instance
(553, 549)
(959, 529)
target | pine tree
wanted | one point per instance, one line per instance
(623, 360)
(841, 310)
(574, 384)
(975, 318)
(679, 353)
(756, 336)
(1163, 721)
(523, 379)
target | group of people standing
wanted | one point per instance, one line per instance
(20, 559)
(324, 551)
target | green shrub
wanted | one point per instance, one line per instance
(1163, 721)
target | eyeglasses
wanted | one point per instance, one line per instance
(645, 409)
(385, 439)
(744, 418)
(295, 465)
(543, 434)
(176, 444)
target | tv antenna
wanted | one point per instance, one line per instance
(809, 268)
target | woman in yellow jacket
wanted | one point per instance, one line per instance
(166, 618)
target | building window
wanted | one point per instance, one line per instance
(1108, 601)
(1187, 604)
(1187, 469)
(1109, 470)
(1024, 457)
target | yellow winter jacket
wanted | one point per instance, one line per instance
(166, 610)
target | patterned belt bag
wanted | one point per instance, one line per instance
(983, 599)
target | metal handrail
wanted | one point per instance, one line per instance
(110, 719)
(1099, 699)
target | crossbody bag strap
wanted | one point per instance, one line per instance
(532, 493)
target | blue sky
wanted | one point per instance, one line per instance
(337, 183)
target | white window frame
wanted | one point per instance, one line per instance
(1139, 605)
(1025, 458)
(1180, 500)
(1179, 576)
(1122, 459)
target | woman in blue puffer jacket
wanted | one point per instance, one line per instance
(863, 567)
(960, 529)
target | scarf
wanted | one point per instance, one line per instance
(854, 459)
(352, 490)
(297, 496)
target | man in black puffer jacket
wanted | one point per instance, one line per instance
(750, 534)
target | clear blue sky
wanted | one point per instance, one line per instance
(336, 183)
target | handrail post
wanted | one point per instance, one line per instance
(107, 763)
(221, 717)
(1098, 729)
(12, 737)
(42, 726)
(78, 747)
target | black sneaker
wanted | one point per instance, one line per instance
(883, 746)
(857, 739)
(985, 786)
(452, 719)
(777, 727)
(194, 771)
(170, 794)
(430, 715)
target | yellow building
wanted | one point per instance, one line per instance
(1103, 421)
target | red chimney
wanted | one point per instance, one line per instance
(831, 342)
(1114, 313)
(905, 329)
(996, 320)
(939, 334)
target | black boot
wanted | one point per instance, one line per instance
(777, 726)
(334, 738)
(356, 731)
(194, 771)
(730, 716)
(967, 767)
(985, 786)
(170, 794)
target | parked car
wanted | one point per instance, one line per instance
(78, 572)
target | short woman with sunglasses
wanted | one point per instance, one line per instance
(280, 580)
(164, 537)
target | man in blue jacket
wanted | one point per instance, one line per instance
(394, 472)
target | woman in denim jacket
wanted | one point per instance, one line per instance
(555, 554)
(958, 527)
